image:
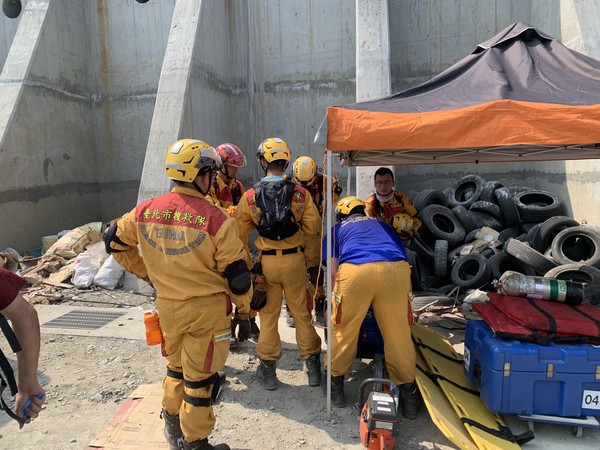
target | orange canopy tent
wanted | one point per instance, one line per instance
(520, 96)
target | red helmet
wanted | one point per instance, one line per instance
(231, 155)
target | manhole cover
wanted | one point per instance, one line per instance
(86, 319)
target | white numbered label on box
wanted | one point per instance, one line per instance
(467, 358)
(591, 400)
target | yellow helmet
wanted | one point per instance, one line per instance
(274, 149)
(187, 158)
(402, 222)
(346, 205)
(304, 169)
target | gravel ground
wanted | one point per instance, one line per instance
(87, 379)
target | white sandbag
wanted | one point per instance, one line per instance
(87, 265)
(110, 274)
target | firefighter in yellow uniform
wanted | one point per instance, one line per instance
(305, 173)
(286, 219)
(227, 191)
(370, 267)
(388, 205)
(192, 255)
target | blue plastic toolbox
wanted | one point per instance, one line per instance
(370, 340)
(515, 377)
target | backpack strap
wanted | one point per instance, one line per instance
(7, 376)
(5, 366)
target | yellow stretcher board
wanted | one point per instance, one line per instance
(436, 355)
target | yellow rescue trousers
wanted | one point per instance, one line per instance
(286, 274)
(386, 286)
(196, 336)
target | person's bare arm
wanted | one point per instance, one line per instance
(25, 323)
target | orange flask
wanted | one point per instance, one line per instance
(153, 333)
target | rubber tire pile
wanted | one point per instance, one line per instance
(535, 238)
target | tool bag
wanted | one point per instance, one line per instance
(541, 321)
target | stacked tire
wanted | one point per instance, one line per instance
(534, 238)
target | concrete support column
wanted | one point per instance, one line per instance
(579, 31)
(373, 67)
(171, 98)
(579, 26)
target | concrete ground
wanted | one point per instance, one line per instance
(547, 436)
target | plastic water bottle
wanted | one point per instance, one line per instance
(540, 288)
(153, 333)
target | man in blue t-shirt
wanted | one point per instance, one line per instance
(370, 267)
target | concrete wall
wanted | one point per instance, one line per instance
(8, 28)
(127, 42)
(77, 97)
(260, 69)
(83, 116)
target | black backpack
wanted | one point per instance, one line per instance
(275, 202)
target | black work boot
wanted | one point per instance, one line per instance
(266, 374)
(203, 444)
(172, 431)
(254, 331)
(338, 399)
(411, 400)
(312, 366)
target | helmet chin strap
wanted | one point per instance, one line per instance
(209, 186)
(224, 172)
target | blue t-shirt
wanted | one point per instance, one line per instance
(361, 239)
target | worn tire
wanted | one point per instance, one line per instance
(538, 206)
(523, 252)
(485, 220)
(440, 258)
(428, 197)
(508, 233)
(440, 222)
(422, 248)
(416, 272)
(581, 273)
(466, 191)
(509, 209)
(581, 239)
(503, 261)
(471, 271)
(548, 230)
(487, 193)
(465, 217)
(489, 208)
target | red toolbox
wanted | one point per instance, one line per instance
(515, 377)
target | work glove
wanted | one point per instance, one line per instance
(242, 322)
(316, 274)
(259, 297)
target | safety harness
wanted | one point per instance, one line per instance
(7, 376)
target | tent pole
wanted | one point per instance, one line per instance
(329, 226)
(349, 181)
